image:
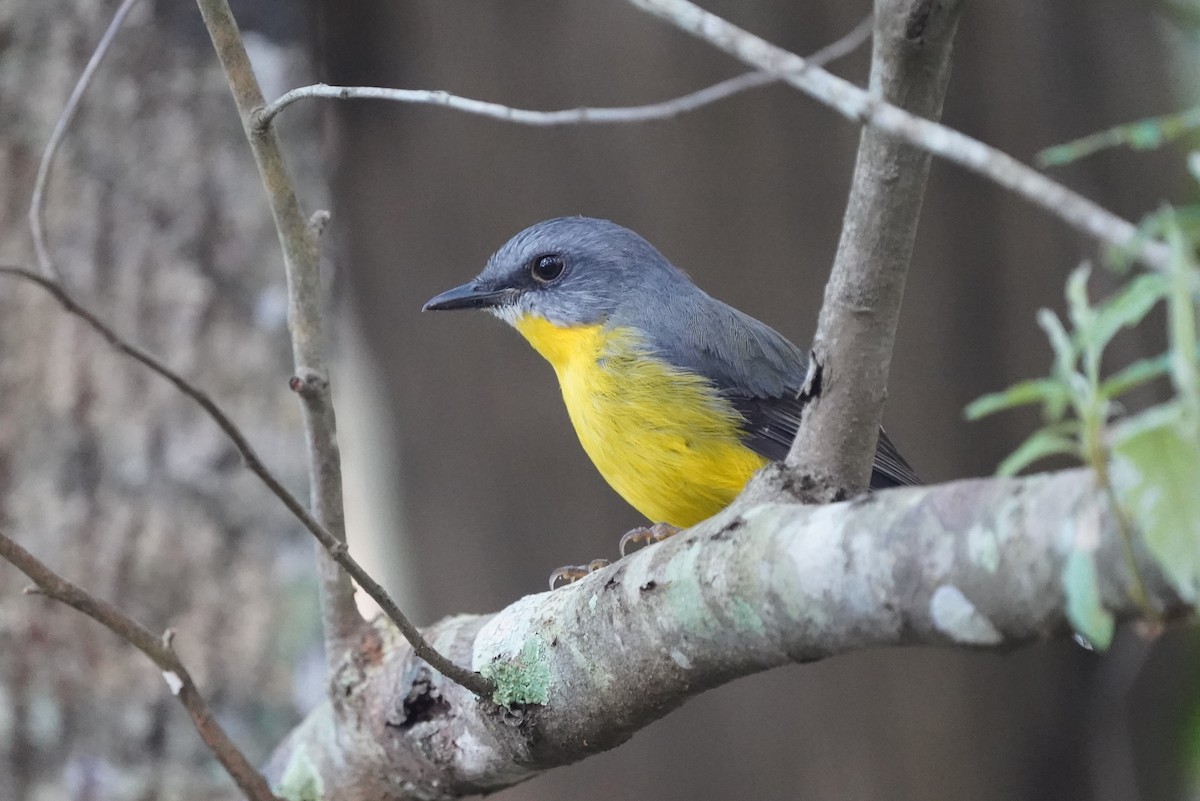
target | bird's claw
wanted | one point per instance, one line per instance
(569, 574)
(655, 533)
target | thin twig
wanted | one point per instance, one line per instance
(37, 202)
(1138, 135)
(866, 108)
(576, 116)
(158, 649)
(342, 623)
(301, 256)
(470, 680)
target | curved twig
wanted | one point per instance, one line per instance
(37, 202)
(575, 116)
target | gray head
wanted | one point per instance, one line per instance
(571, 271)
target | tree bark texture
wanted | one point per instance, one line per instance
(158, 222)
(579, 670)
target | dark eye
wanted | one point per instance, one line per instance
(545, 269)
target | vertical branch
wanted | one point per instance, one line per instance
(301, 260)
(298, 238)
(910, 68)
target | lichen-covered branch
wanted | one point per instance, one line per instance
(976, 564)
(910, 67)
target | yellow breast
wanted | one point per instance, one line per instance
(661, 437)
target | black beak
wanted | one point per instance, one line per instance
(467, 296)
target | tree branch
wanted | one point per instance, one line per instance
(910, 66)
(867, 108)
(342, 622)
(159, 651)
(576, 116)
(343, 626)
(975, 564)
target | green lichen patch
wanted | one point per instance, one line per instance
(301, 781)
(746, 617)
(523, 679)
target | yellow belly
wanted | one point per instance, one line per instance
(660, 437)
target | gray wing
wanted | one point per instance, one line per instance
(760, 372)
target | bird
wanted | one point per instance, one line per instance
(677, 397)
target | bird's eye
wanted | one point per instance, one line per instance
(545, 269)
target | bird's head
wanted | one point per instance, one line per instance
(569, 271)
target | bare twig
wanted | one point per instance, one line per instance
(336, 549)
(37, 202)
(158, 650)
(867, 108)
(342, 622)
(576, 116)
(857, 326)
(852, 102)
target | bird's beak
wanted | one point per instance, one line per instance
(468, 296)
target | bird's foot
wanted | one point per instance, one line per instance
(569, 574)
(656, 533)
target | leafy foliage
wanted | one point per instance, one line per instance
(1147, 463)
(1076, 400)
(1157, 452)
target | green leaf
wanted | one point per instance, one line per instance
(1193, 163)
(1078, 307)
(1129, 306)
(1157, 477)
(1085, 609)
(1140, 372)
(1060, 341)
(1036, 390)
(1049, 441)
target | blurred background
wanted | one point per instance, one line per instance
(465, 481)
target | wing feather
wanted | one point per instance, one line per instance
(760, 372)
